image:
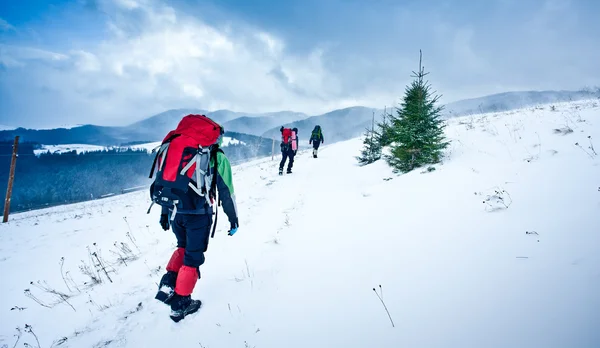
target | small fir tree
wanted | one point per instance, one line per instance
(384, 129)
(371, 151)
(416, 132)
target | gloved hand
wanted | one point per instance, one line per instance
(233, 229)
(164, 221)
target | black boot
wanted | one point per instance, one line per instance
(280, 171)
(182, 306)
(289, 171)
(166, 287)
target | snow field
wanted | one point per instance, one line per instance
(458, 267)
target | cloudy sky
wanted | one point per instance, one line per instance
(114, 62)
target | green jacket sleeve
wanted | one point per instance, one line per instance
(225, 188)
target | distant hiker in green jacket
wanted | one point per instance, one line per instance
(191, 170)
(316, 138)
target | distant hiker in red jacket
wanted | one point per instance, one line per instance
(191, 170)
(289, 148)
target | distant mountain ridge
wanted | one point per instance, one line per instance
(338, 125)
(258, 125)
(148, 130)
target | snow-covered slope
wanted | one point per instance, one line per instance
(79, 148)
(457, 265)
(151, 146)
(515, 100)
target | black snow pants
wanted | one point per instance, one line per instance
(192, 232)
(316, 144)
(288, 153)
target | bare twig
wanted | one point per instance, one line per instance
(584, 150)
(129, 227)
(592, 145)
(70, 280)
(91, 273)
(62, 263)
(247, 267)
(31, 296)
(564, 131)
(99, 307)
(18, 335)
(383, 303)
(123, 253)
(154, 271)
(59, 342)
(249, 276)
(102, 266)
(498, 198)
(62, 297)
(91, 270)
(29, 329)
(130, 236)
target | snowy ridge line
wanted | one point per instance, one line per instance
(87, 148)
(447, 115)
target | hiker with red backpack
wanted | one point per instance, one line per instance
(289, 148)
(191, 170)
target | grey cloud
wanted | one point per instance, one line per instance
(156, 58)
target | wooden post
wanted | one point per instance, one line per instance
(273, 150)
(11, 178)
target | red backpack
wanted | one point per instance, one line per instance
(289, 139)
(182, 162)
(286, 135)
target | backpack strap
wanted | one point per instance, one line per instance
(213, 185)
(195, 161)
(190, 164)
(161, 150)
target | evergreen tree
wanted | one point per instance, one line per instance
(416, 131)
(385, 130)
(371, 151)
